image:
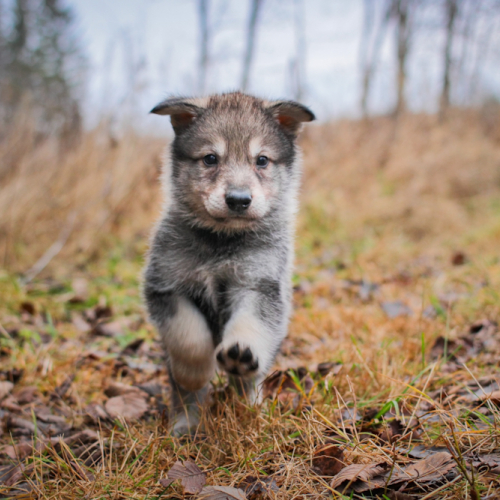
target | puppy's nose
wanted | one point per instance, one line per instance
(238, 200)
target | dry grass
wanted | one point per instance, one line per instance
(385, 212)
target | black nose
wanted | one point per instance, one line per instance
(238, 199)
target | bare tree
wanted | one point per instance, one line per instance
(299, 62)
(451, 12)
(403, 32)
(255, 8)
(370, 50)
(203, 8)
(40, 60)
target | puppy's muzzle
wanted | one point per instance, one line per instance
(238, 200)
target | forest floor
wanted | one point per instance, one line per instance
(388, 385)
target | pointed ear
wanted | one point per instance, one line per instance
(290, 115)
(182, 111)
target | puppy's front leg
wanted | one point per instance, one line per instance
(188, 343)
(251, 340)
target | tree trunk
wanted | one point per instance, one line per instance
(451, 7)
(300, 55)
(403, 39)
(203, 6)
(250, 43)
(369, 57)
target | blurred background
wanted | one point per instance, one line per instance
(407, 145)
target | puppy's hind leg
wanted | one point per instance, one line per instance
(189, 346)
(185, 406)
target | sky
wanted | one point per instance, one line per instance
(141, 51)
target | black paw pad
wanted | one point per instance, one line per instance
(237, 361)
(234, 352)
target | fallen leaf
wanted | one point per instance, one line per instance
(5, 388)
(133, 346)
(129, 406)
(28, 308)
(80, 324)
(258, 487)
(61, 390)
(80, 288)
(26, 395)
(116, 327)
(192, 477)
(119, 389)
(328, 460)
(86, 436)
(392, 431)
(281, 382)
(484, 325)
(430, 469)
(18, 451)
(222, 493)
(491, 460)
(397, 495)
(458, 258)
(358, 473)
(329, 367)
(95, 412)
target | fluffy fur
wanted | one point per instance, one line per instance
(218, 281)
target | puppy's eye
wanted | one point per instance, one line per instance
(210, 160)
(262, 161)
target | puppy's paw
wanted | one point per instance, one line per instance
(185, 424)
(237, 359)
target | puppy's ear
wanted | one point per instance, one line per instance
(182, 111)
(290, 115)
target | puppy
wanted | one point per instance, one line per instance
(218, 276)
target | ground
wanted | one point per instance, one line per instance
(386, 387)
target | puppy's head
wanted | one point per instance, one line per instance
(234, 157)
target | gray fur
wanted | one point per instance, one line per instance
(218, 284)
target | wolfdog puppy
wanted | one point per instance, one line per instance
(218, 277)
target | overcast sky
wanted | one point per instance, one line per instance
(142, 50)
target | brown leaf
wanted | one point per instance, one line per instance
(80, 324)
(5, 388)
(258, 487)
(458, 258)
(491, 460)
(80, 287)
(61, 390)
(397, 495)
(26, 395)
(192, 477)
(279, 383)
(18, 451)
(129, 406)
(329, 367)
(357, 473)
(485, 325)
(28, 308)
(328, 460)
(10, 403)
(95, 412)
(11, 474)
(118, 389)
(86, 436)
(222, 493)
(117, 327)
(430, 469)
(392, 431)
